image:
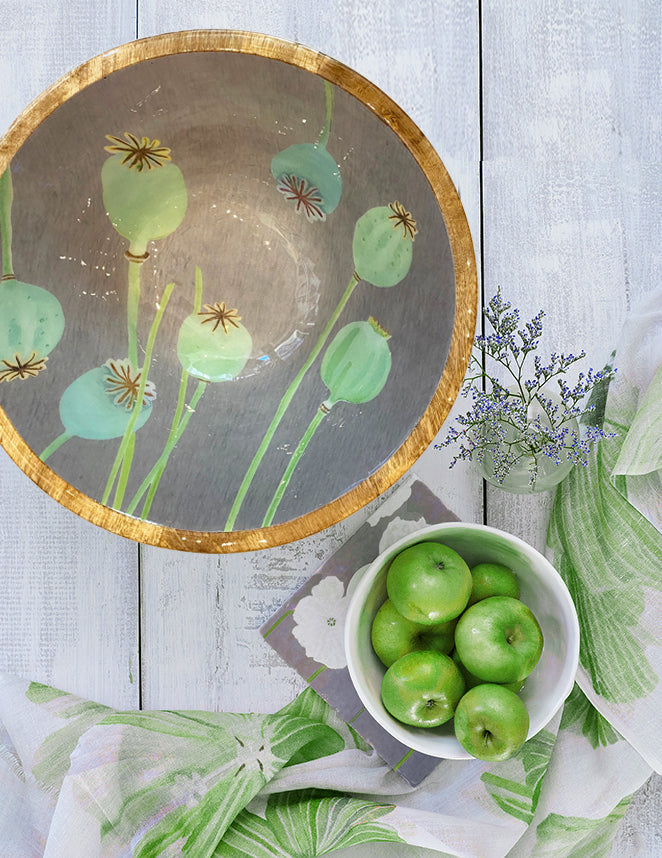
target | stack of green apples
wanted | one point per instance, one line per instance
(457, 643)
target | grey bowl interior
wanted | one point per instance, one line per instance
(224, 117)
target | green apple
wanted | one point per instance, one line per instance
(491, 722)
(499, 640)
(394, 635)
(422, 689)
(472, 681)
(492, 579)
(429, 583)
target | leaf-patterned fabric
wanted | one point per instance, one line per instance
(604, 536)
(84, 780)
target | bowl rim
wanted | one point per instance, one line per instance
(464, 264)
(360, 593)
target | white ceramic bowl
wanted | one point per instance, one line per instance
(541, 588)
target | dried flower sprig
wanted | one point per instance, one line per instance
(519, 419)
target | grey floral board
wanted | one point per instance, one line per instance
(308, 629)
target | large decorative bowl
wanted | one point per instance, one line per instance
(238, 294)
(541, 588)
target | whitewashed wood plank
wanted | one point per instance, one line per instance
(569, 80)
(68, 589)
(566, 238)
(572, 196)
(201, 615)
(200, 618)
(640, 832)
(571, 100)
(41, 41)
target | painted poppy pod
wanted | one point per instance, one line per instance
(357, 363)
(383, 244)
(143, 191)
(98, 405)
(355, 368)
(31, 318)
(31, 324)
(308, 176)
(213, 345)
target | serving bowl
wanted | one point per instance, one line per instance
(201, 232)
(541, 589)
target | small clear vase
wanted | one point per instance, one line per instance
(547, 470)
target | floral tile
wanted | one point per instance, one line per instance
(308, 629)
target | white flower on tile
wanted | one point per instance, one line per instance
(397, 529)
(320, 622)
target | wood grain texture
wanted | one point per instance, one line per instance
(571, 204)
(69, 597)
(572, 180)
(572, 81)
(68, 589)
(562, 82)
(42, 41)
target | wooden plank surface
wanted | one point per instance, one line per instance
(68, 589)
(571, 186)
(571, 99)
(572, 195)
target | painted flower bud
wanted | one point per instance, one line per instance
(143, 191)
(357, 363)
(98, 404)
(383, 244)
(213, 345)
(31, 324)
(309, 177)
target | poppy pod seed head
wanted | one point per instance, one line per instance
(383, 244)
(357, 363)
(31, 325)
(94, 407)
(143, 191)
(309, 178)
(213, 345)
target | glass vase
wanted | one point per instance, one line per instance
(549, 472)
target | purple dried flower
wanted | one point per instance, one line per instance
(527, 422)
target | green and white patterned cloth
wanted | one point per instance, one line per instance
(80, 780)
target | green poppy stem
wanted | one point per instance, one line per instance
(197, 302)
(328, 114)
(291, 465)
(152, 479)
(173, 437)
(133, 303)
(179, 410)
(126, 447)
(284, 403)
(54, 445)
(6, 199)
(127, 461)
